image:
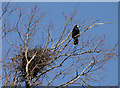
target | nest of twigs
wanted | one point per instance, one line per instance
(38, 64)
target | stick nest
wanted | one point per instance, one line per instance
(38, 64)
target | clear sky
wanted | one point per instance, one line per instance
(105, 12)
(59, 0)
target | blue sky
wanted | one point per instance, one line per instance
(105, 12)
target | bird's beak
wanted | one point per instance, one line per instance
(78, 26)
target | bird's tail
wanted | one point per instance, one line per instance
(75, 41)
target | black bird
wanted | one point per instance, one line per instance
(75, 33)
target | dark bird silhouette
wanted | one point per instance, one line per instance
(75, 35)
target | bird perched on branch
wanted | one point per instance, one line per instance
(75, 34)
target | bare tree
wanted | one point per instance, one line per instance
(26, 62)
